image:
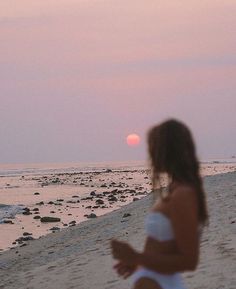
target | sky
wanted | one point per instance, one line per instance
(78, 76)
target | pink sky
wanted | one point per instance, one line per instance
(77, 76)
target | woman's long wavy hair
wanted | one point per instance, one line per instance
(172, 151)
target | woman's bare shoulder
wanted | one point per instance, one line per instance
(183, 196)
(183, 189)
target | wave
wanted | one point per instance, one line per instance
(9, 211)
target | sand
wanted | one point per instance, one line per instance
(79, 257)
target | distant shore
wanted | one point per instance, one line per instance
(79, 256)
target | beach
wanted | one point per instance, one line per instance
(68, 196)
(80, 257)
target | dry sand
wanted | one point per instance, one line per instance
(79, 257)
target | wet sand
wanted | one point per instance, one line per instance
(79, 256)
(71, 197)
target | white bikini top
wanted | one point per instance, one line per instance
(159, 227)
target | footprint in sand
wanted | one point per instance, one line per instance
(50, 268)
(81, 264)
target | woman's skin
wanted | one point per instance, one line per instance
(166, 257)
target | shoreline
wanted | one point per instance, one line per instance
(72, 258)
(70, 197)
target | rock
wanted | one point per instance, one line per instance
(112, 199)
(91, 216)
(60, 200)
(135, 199)
(106, 193)
(103, 186)
(27, 234)
(28, 238)
(27, 212)
(87, 198)
(130, 191)
(72, 222)
(7, 222)
(26, 209)
(88, 207)
(99, 202)
(36, 193)
(36, 217)
(93, 193)
(54, 229)
(40, 203)
(126, 215)
(51, 203)
(112, 195)
(75, 196)
(56, 180)
(50, 219)
(35, 210)
(23, 239)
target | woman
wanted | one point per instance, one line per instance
(174, 223)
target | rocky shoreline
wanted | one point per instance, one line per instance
(72, 258)
(102, 192)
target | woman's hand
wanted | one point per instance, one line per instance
(124, 270)
(124, 252)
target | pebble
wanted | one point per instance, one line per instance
(8, 222)
(126, 215)
(91, 216)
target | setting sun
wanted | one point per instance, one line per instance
(133, 139)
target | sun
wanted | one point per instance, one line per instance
(133, 139)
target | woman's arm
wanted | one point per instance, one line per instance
(184, 218)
